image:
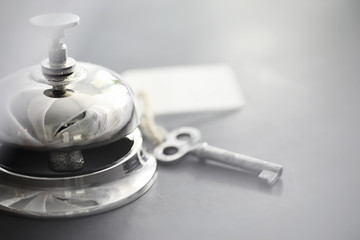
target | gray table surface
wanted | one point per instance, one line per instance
(298, 64)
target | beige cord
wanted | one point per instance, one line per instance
(150, 129)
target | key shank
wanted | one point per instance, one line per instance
(267, 171)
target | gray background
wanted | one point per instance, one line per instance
(298, 64)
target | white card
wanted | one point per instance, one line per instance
(188, 89)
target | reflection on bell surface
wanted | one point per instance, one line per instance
(70, 143)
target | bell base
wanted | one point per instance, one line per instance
(77, 201)
(87, 194)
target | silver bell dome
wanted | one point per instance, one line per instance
(99, 108)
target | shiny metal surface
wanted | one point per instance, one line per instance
(186, 141)
(63, 108)
(101, 109)
(112, 187)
